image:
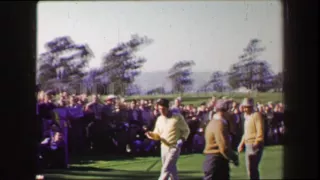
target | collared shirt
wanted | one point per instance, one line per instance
(171, 129)
(217, 117)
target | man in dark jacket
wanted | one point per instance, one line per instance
(52, 152)
(45, 109)
(134, 114)
(92, 130)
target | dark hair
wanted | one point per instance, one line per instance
(163, 102)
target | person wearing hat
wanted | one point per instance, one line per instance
(172, 130)
(109, 120)
(252, 139)
(229, 117)
(218, 151)
(107, 110)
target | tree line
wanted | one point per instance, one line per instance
(65, 66)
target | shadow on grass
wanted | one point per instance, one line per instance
(77, 169)
(112, 174)
(91, 159)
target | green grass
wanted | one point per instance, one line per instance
(189, 166)
(197, 99)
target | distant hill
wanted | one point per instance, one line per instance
(150, 80)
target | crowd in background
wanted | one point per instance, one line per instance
(78, 124)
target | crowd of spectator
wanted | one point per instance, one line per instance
(79, 125)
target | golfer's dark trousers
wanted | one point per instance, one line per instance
(215, 167)
(253, 157)
(56, 158)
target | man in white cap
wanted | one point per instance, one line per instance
(109, 120)
(218, 149)
(110, 102)
(108, 110)
(253, 138)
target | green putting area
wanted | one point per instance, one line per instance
(148, 168)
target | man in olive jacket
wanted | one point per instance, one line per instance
(218, 150)
(252, 139)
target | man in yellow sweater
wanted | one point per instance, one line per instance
(172, 130)
(218, 150)
(252, 139)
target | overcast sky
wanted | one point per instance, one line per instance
(211, 33)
